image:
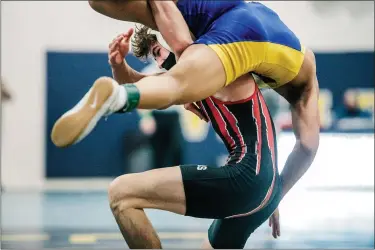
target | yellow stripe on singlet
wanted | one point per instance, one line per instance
(278, 62)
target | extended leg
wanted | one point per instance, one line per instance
(130, 194)
(198, 74)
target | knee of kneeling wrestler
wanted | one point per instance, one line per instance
(120, 193)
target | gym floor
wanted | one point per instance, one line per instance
(330, 218)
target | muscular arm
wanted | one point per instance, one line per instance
(305, 118)
(171, 25)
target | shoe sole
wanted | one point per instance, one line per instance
(79, 121)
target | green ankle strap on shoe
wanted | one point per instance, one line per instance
(132, 100)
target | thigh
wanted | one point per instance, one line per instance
(199, 72)
(191, 190)
(253, 39)
(127, 10)
(158, 189)
(234, 233)
(213, 192)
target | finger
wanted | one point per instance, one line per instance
(118, 37)
(196, 107)
(124, 40)
(116, 40)
(123, 45)
(278, 223)
(111, 43)
(112, 57)
(198, 112)
(118, 58)
(189, 106)
(114, 46)
(274, 230)
(128, 35)
(195, 111)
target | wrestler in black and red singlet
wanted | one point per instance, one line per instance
(243, 193)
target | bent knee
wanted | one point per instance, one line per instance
(206, 244)
(120, 192)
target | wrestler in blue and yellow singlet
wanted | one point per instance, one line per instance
(247, 37)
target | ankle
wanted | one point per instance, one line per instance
(129, 97)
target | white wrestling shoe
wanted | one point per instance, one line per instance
(105, 97)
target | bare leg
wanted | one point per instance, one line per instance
(136, 229)
(198, 74)
(130, 194)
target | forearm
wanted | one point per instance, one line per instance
(171, 25)
(306, 126)
(123, 73)
(298, 162)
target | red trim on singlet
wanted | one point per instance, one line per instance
(221, 123)
(258, 122)
(270, 140)
(233, 122)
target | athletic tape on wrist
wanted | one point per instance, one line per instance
(133, 98)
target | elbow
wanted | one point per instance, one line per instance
(310, 144)
(97, 5)
(93, 4)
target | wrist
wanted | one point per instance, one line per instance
(283, 187)
(120, 66)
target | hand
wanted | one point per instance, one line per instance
(192, 107)
(274, 222)
(119, 48)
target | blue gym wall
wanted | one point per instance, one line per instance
(102, 153)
